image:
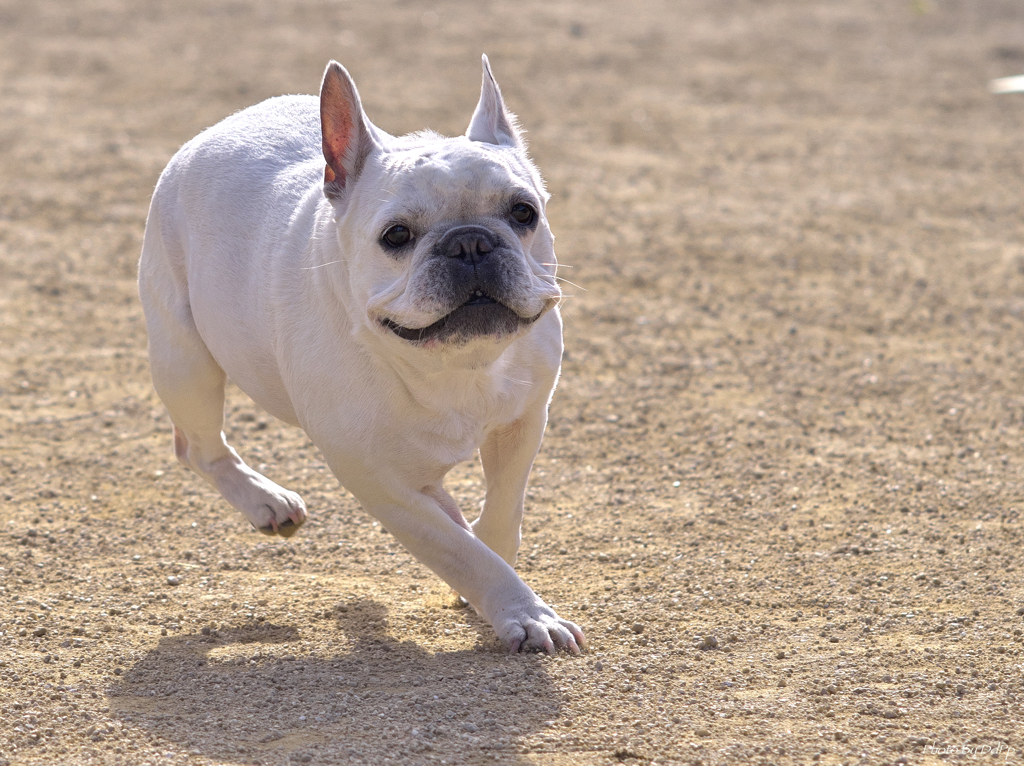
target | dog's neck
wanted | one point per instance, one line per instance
(475, 377)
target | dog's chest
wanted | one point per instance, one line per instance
(451, 434)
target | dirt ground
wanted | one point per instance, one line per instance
(781, 487)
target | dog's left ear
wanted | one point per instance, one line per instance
(492, 123)
(347, 136)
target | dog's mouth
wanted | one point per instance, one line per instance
(481, 315)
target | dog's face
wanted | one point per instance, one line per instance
(448, 237)
(461, 244)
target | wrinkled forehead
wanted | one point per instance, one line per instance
(455, 178)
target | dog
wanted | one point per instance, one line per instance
(395, 297)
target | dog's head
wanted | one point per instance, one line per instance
(446, 239)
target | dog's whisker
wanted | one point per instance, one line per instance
(555, 277)
(319, 266)
(566, 281)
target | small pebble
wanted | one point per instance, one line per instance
(172, 580)
(39, 632)
(710, 642)
(638, 627)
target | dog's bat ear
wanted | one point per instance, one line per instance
(492, 123)
(347, 136)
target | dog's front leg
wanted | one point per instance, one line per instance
(520, 617)
(507, 456)
(429, 524)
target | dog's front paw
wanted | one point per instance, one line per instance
(539, 629)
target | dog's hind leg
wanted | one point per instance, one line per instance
(191, 385)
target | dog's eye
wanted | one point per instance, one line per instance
(397, 236)
(523, 214)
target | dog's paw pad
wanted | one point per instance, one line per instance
(287, 528)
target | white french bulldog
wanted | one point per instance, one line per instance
(394, 297)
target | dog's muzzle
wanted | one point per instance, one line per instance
(467, 271)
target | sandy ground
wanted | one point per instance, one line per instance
(781, 487)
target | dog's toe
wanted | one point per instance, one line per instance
(297, 514)
(546, 633)
(286, 528)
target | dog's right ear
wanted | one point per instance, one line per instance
(347, 135)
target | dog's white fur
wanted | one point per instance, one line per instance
(264, 261)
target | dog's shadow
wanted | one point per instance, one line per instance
(238, 695)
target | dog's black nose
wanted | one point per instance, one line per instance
(467, 243)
